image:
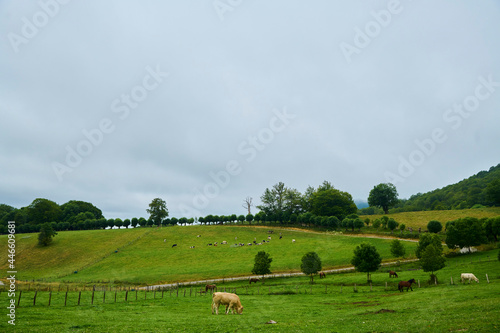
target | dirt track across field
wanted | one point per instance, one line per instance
(239, 278)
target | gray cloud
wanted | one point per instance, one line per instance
(353, 120)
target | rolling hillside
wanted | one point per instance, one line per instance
(146, 255)
(482, 188)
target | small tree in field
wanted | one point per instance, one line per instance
(46, 234)
(366, 259)
(432, 260)
(398, 249)
(392, 224)
(311, 264)
(262, 264)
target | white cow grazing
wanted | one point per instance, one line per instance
(231, 301)
(293, 240)
(468, 276)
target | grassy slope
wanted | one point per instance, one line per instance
(420, 219)
(148, 259)
(445, 308)
(70, 251)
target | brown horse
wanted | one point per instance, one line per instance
(255, 280)
(211, 287)
(322, 275)
(407, 284)
(392, 273)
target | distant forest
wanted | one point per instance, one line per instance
(482, 189)
(322, 206)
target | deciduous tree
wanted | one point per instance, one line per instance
(426, 240)
(398, 249)
(262, 263)
(46, 234)
(157, 210)
(366, 259)
(432, 260)
(465, 232)
(384, 196)
(434, 226)
(310, 264)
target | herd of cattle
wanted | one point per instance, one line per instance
(264, 241)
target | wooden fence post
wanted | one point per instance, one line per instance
(79, 296)
(34, 298)
(65, 298)
(487, 279)
(126, 295)
(104, 296)
(419, 283)
(136, 294)
(92, 302)
(50, 296)
(451, 279)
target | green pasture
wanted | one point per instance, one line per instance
(329, 305)
(421, 218)
(146, 255)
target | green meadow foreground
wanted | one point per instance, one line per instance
(292, 303)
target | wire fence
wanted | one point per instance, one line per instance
(53, 297)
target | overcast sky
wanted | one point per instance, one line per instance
(204, 103)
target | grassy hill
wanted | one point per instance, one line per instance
(420, 219)
(143, 257)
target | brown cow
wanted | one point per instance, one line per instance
(255, 280)
(231, 301)
(322, 275)
(212, 287)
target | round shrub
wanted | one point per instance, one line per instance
(434, 226)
